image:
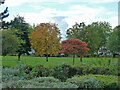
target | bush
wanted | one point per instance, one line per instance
(99, 70)
(46, 79)
(39, 71)
(42, 82)
(63, 72)
(85, 70)
(85, 82)
(107, 81)
(13, 74)
(27, 69)
(114, 70)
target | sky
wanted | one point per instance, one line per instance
(63, 12)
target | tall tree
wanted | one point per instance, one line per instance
(23, 33)
(46, 39)
(95, 34)
(74, 47)
(92, 38)
(77, 31)
(103, 31)
(3, 14)
(113, 43)
(9, 42)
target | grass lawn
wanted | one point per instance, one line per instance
(53, 61)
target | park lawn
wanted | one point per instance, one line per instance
(9, 61)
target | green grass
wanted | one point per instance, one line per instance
(53, 61)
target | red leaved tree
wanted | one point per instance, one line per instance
(74, 47)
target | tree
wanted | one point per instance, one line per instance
(95, 34)
(3, 14)
(23, 33)
(113, 43)
(92, 38)
(5, 25)
(46, 39)
(100, 32)
(77, 31)
(74, 47)
(9, 42)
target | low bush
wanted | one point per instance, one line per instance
(42, 82)
(27, 69)
(106, 81)
(39, 71)
(109, 81)
(13, 74)
(85, 70)
(63, 72)
(85, 82)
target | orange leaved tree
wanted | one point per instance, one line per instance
(45, 39)
(74, 47)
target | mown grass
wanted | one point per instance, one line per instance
(9, 61)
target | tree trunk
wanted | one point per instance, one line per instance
(73, 59)
(97, 52)
(109, 62)
(19, 56)
(80, 59)
(47, 58)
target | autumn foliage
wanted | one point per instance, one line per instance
(74, 47)
(46, 39)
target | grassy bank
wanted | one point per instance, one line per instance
(53, 61)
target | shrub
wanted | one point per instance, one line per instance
(107, 81)
(99, 70)
(39, 71)
(114, 70)
(63, 72)
(46, 79)
(13, 74)
(85, 82)
(85, 70)
(42, 82)
(27, 69)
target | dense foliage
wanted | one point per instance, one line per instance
(45, 39)
(26, 76)
(10, 42)
(114, 41)
(23, 33)
(95, 35)
(74, 47)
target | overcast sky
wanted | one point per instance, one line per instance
(63, 12)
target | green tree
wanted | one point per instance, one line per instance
(114, 41)
(9, 42)
(95, 34)
(23, 33)
(77, 31)
(103, 31)
(92, 39)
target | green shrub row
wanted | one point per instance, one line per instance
(41, 82)
(80, 82)
(95, 81)
(22, 76)
(61, 72)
